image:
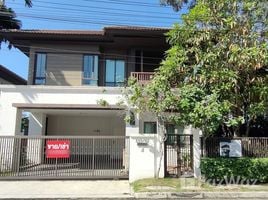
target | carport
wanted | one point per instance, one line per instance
(92, 138)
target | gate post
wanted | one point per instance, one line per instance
(197, 152)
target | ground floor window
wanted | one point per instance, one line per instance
(149, 127)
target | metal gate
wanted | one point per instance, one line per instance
(178, 155)
(45, 157)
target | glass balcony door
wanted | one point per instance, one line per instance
(114, 72)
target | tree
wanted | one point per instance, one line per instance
(214, 76)
(177, 4)
(8, 17)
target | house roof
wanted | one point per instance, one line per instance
(53, 32)
(85, 32)
(23, 39)
(11, 77)
(139, 28)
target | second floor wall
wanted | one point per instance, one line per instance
(94, 65)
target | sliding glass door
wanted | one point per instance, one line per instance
(114, 73)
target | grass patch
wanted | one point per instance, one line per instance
(141, 185)
(190, 185)
(167, 184)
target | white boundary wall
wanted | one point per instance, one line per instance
(146, 160)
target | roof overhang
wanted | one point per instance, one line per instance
(22, 39)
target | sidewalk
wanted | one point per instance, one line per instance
(64, 189)
(104, 190)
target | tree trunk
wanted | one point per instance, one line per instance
(248, 128)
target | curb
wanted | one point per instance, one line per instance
(201, 195)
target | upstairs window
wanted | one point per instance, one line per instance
(90, 70)
(40, 69)
(115, 73)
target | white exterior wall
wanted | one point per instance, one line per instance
(145, 159)
(48, 95)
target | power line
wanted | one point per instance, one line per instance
(132, 2)
(118, 2)
(101, 17)
(101, 8)
(103, 21)
(104, 12)
(82, 21)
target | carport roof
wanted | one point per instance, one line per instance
(67, 106)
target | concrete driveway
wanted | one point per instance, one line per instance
(64, 189)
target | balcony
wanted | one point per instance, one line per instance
(142, 77)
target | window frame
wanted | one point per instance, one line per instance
(115, 83)
(149, 122)
(95, 67)
(35, 69)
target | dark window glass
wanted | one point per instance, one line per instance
(150, 127)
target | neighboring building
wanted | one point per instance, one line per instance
(76, 79)
(9, 77)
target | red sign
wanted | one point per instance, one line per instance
(58, 149)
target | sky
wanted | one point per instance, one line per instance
(84, 15)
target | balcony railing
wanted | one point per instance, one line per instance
(142, 77)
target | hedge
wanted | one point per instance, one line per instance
(244, 168)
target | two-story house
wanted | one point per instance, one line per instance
(75, 101)
(75, 89)
(72, 73)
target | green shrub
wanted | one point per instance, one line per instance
(244, 168)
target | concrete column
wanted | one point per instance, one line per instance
(197, 152)
(37, 124)
(18, 122)
(37, 127)
(133, 129)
